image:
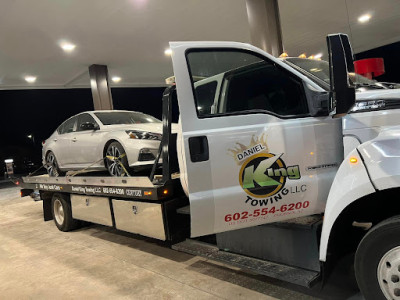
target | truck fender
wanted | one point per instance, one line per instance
(351, 183)
(382, 158)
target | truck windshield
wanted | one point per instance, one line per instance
(320, 70)
(124, 117)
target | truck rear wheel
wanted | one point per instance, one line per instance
(377, 261)
(62, 213)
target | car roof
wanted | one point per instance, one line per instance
(114, 110)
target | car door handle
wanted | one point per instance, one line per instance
(198, 147)
(74, 139)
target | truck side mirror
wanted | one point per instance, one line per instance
(342, 93)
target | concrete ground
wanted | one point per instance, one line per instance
(38, 261)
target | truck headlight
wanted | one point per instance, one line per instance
(368, 105)
(143, 135)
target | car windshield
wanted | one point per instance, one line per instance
(320, 69)
(124, 117)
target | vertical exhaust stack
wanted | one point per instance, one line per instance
(342, 94)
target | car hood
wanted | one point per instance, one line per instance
(149, 127)
(378, 94)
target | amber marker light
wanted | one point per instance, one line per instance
(165, 192)
(353, 160)
(284, 54)
(303, 55)
(147, 193)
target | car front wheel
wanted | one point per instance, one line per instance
(116, 160)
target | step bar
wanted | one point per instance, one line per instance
(286, 273)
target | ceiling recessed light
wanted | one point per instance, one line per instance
(364, 18)
(68, 47)
(168, 51)
(30, 79)
(116, 79)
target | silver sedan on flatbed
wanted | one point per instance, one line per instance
(103, 140)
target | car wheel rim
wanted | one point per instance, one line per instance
(389, 273)
(58, 212)
(51, 165)
(113, 165)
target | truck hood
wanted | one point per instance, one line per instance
(148, 127)
(378, 94)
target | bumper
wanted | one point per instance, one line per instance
(135, 150)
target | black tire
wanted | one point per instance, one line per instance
(117, 153)
(373, 247)
(52, 165)
(67, 223)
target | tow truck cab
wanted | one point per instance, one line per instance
(263, 143)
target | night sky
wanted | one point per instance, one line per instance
(39, 112)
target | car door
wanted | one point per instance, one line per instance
(256, 156)
(62, 142)
(86, 144)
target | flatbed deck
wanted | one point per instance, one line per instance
(139, 187)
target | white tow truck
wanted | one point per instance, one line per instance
(256, 176)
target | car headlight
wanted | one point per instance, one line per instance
(368, 105)
(143, 135)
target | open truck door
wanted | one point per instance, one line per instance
(259, 145)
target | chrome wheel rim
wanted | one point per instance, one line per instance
(389, 273)
(58, 212)
(51, 164)
(114, 164)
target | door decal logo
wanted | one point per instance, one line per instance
(262, 174)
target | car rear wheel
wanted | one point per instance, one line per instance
(52, 166)
(116, 160)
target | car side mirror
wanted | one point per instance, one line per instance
(88, 126)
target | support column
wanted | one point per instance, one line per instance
(100, 88)
(265, 25)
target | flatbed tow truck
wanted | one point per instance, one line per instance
(256, 176)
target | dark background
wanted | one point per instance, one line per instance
(39, 112)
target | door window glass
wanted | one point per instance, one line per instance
(237, 82)
(85, 118)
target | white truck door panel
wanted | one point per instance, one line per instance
(246, 166)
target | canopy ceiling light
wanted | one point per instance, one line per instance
(364, 18)
(30, 79)
(67, 47)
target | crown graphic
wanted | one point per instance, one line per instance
(257, 144)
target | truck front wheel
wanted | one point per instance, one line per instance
(377, 261)
(62, 213)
